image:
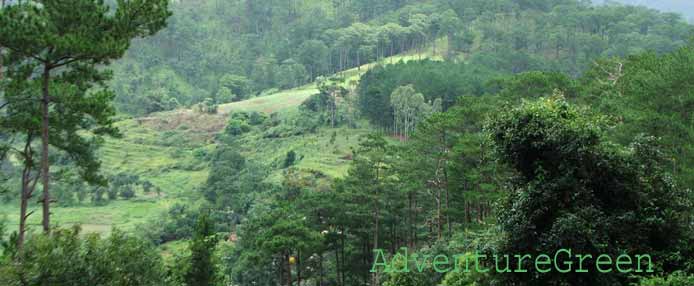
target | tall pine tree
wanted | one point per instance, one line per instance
(66, 40)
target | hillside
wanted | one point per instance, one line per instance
(682, 7)
(346, 142)
(161, 147)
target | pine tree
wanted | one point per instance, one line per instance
(68, 41)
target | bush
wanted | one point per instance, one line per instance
(290, 160)
(200, 153)
(411, 278)
(112, 193)
(575, 190)
(257, 118)
(674, 279)
(237, 127)
(127, 192)
(68, 258)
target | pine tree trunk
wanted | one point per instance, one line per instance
(342, 254)
(27, 190)
(320, 270)
(448, 218)
(411, 222)
(289, 269)
(376, 230)
(281, 270)
(298, 267)
(439, 215)
(446, 184)
(45, 175)
(337, 265)
(414, 199)
(434, 47)
(358, 60)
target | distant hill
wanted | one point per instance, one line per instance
(683, 7)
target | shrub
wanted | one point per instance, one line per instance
(674, 279)
(68, 258)
(257, 118)
(237, 127)
(127, 192)
(290, 160)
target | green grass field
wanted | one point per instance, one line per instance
(278, 102)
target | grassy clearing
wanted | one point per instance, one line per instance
(277, 102)
(316, 151)
(124, 215)
(144, 152)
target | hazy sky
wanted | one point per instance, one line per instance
(685, 7)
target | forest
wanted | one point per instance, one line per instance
(346, 142)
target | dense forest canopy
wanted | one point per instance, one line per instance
(683, 7)
(316, 142)
(228, 51)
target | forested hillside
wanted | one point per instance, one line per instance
(345, 142)
(228, 51)
(682, 7)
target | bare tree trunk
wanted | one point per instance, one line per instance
(45, 175)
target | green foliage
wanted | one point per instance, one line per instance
(176, 223)
(463, 279)
(233, 182)
(407, 279)
(233, 87)
(207, 106)
(202, 269)
(271, 235)
(290, 160)
(237, 127)
(536, 84)
(652, 94)
(68, 258)
(444, 80)
(206, 43)
(127, 192)
(409, 108)
(674, 279)
(574, 190)
(4, 246)
(257, 118)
